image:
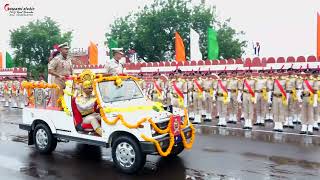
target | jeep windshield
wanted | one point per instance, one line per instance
(111, 93)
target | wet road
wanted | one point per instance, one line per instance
(225, 153)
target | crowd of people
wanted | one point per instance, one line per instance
(286, 97)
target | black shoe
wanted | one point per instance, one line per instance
(242, 119)
(291, 127)
(207, 120)
(268, 120)
(191, 119)
(217, 117)
(230, 122)
(295, 122)
(234, 122)
(298, 122)
(256, 124)
(303, 132)
(310, 133)
(285, 126)
(220, 125)
(278, 130)
(262, 124)
(315, 128)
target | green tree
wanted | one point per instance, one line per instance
(32, 44)
(151, 30)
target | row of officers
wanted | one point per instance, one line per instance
(286, 97)
(11, 92)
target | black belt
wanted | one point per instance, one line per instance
(277, 95)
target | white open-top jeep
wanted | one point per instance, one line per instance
(132, 125)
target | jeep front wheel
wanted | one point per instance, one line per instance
(44, 141)
(127, 155)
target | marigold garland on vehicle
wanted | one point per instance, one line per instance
(143, 120)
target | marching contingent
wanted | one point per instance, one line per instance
(285, 97)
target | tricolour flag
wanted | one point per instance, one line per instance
(195, 53)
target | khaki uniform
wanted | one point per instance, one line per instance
(167, 95)
(7, 93)
(297, 104)
(190, 100)
(222, 101)
(207, 85)
(262, 99)
(233, 105)
(291, 93)
(316, 110)
(143, 86)
(15, 93)
(22, 99)
(269, 115)
(198, 100)
(157, 96)
(308, 106)
(175, 99)
(114, 67)
(63, 67)
(278, 106)
(248, 103)
(1, 91)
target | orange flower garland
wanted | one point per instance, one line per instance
(143, 120)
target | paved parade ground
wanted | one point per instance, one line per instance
(218, 153)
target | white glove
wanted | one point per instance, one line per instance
(315, 100)
(255, 99)
(185, 100)
(239, 97)
(269, 97)
(288, 96)
(299, 92)
(214, 95)
(229, 96)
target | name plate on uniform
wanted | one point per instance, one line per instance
(40, 98)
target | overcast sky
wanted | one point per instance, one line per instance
(283, 27)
